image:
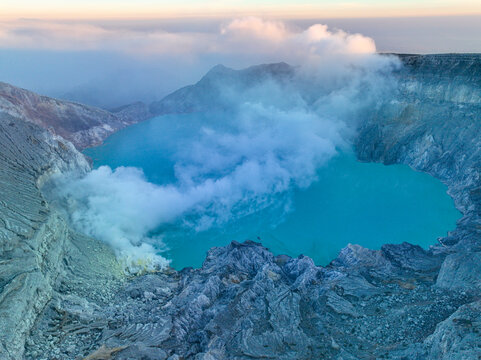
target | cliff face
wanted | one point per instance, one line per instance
(31, 237)
(400, 302)
(83, 125)
(433, 126)
(35, 242)
(38, 251)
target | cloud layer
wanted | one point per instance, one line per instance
(109, 64)
(249, 35)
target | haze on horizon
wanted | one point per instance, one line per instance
(111, 52)
(103, 9)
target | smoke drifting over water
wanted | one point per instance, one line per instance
(267, 141)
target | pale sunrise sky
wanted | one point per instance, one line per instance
(89, 9)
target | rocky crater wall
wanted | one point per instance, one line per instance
(62, 294)
(34, 239)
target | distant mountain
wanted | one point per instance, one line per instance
(87, 126)
(83, 125)
(210, 91)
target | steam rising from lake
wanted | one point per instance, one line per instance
(268, 140)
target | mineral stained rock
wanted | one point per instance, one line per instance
(62, 295)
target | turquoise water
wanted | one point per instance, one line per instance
(350, 202)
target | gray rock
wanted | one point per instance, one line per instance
(460, 271)
(141, 352)
(459, 336)
(399, 302)
(35, 242)
(83, 125)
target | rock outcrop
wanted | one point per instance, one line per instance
(399, 302)
(245, 303)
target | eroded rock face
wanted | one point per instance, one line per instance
(34, 239)
(399, 302)
(461, 271)
(245, 303)
(83, 125)
(457, 337)
(433, 126)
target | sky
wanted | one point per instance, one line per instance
(111, 52)
(278, 8)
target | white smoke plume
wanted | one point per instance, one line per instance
(110, 64)
(273, 139)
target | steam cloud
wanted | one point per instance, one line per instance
(256, 35)
(113, 63)
(273, 138)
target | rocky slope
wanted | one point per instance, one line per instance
(245, 303)
(35, 242)
(83, 125)
(400, 302)
(213, 90)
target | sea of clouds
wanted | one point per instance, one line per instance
(271, 139)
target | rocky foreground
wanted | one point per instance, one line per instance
(63, 295)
